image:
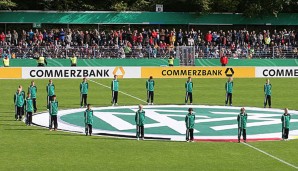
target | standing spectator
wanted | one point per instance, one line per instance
(45, 36)
(145, 36)
(224, 60)
(84, 87)
(285, 119)
(154, 36)
(150, 90)
(31, 35)
(115, 89)
(2, 38)
(190, 124)
(267, 90)
(68, 37)
(208, 37)
(229, 90)
(8, 37)
(28, 109)
(188, 88)
(40, 37)
(242, 120)
(32, 90)
(88, 115)
(15, 37)
(53, 111)
(61, 35)
(140, 120)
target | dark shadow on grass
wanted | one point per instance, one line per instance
(25, 129)
(69, 135)
(6, 120)
(5, 124)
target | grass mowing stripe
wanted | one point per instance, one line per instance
(278, 159)
(119, 91)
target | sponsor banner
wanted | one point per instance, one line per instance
(80, 72)
(284, 72)
(10, 73)
(198, 72)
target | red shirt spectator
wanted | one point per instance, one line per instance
(208, 37)
(154, 34)
(151, 40)
(224, 60)
(2, 37)
(140, 38)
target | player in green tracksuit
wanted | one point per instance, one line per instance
(140, 120)
(188, 88)
(53, 111)
(190, 123)
(267, 91)
(32, 89)
(285, 119)
(19, 101)
(115, 89)
(242, 120)
(84, 87)
(150, 90)
(50, 92)
(88, 115)
(29, 109)
(229, 90)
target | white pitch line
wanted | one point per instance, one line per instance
(278, 159)
(119, 91)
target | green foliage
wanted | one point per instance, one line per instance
(7, 4)
(251, 8)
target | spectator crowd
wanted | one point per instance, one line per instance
(150, 43)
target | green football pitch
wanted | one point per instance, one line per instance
(35, 148)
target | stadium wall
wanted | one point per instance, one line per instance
(94, 62)
(248, 62)
(153, 62)
(145, 72)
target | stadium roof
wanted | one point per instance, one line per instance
(104, 17)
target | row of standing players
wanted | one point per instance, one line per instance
(28, 105)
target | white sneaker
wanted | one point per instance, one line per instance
(113, 104)
(143, 138)
(151, 103)
(116, 104)
(138, 139)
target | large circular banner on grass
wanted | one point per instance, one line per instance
(212, 123)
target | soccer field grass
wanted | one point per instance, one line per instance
(35, 148)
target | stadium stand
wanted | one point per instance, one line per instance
(149, 43)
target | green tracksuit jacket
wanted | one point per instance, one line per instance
(190, 121)
(84, 88)
(140, 118)
(53, 108)
(88, 115)
(229, 87)
(242, 120)
(150, 85)
(285, 119)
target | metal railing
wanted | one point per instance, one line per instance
(147, 52)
